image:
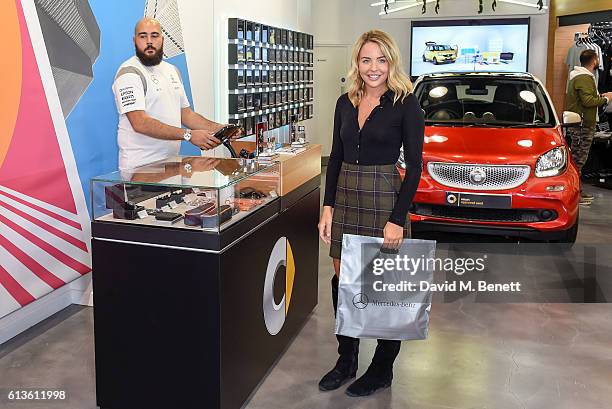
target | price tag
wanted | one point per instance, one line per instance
(172, 204)
(166, 208)
(196, 190)
(142, 214)
(273, 193)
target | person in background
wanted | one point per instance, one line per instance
(584, 99)
(364, 194)
(152, 104)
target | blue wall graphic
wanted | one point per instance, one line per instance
(92, 124)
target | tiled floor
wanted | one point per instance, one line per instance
(495, 356)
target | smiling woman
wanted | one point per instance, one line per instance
(10, 66)
(364, 194)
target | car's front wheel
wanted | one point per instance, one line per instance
(424, 59)
(435, 61)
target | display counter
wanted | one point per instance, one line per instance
(204, 270)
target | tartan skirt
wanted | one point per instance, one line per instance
(365, 197)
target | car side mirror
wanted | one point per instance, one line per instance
(571, 118)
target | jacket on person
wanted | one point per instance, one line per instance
(582, 96)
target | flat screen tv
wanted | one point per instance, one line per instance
(469, 45)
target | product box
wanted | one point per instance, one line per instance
(248, 30)
(257, 32)
(236, 54)
(264, 34)
(235, 29)
(272, 32)
(265, 79)
(236, 79)
(264, 55)
(237, 103)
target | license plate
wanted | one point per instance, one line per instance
(479, 200)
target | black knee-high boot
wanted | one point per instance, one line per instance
(348, 349)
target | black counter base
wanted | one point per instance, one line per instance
(182, 328)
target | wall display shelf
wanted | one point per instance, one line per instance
(270, 74)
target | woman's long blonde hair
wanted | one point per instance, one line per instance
(397, 81)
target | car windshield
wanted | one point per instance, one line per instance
(441, 47)
(483, 101)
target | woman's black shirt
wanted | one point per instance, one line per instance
(388, 127)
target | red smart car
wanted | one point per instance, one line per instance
(494, 160)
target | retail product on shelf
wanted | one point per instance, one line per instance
(270, 74)
(209, 194)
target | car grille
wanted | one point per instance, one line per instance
(478, 214)
(497, 177)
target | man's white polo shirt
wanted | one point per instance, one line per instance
(157, 90)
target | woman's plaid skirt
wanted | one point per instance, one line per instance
(365, 197)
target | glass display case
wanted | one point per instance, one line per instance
(186, 192)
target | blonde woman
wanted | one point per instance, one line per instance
(364, 193)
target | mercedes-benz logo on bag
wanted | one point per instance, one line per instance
(360, 301)
(478, 176)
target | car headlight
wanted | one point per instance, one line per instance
(552, 163)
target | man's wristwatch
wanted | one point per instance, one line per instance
(187, 135)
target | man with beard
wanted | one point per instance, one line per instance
(152, 104)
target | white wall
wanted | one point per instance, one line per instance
(204, 25)
(342, 21)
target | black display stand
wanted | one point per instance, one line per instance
(178, 314)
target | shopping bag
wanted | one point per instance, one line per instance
(382, 294)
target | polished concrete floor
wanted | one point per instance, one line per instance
(493, 356)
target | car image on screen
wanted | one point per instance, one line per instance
(439, 53)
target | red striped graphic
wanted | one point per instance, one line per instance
(56, 216)
(14, 288)
(31, 264)
(67, 260)
(64, 236)
(43, 240)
